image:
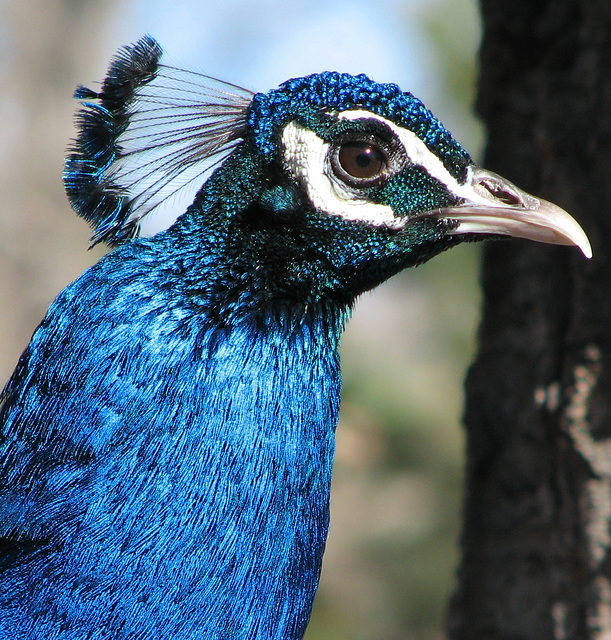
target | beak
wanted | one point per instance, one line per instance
(492, 205)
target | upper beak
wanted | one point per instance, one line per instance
(492, 205)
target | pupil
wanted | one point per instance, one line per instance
(364, 158)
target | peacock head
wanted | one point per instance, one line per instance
(334, 180)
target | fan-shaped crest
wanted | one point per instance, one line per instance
(147, 141)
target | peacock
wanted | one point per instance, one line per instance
(167, 437)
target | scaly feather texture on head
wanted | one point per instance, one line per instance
(331, 92)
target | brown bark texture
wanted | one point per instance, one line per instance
(536, 535)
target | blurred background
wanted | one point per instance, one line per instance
(393, 548)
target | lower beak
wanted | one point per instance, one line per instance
(492, 205)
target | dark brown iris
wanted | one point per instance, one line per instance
(362, 160)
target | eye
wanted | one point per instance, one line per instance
(360, 161)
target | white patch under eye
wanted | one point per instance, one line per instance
(305, 156)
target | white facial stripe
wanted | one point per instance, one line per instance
(305, 155)
(419, 154)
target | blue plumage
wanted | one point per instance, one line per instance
(166, 439)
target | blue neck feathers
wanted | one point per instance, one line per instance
(181, 481)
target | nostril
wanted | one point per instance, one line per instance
(501, 192)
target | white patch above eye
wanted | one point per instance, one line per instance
(305, 156)
(415, 149)
(419, 154)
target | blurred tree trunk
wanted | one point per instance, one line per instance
(536, 536)
(47, 46)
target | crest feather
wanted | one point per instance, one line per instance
(147, 141)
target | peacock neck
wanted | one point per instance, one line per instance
(250, 490)
(248, 511)
(266, 474)
(205, 466)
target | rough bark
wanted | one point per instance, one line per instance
(536, 533)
